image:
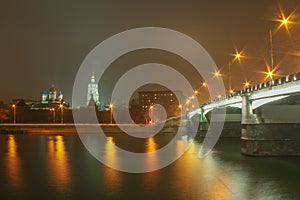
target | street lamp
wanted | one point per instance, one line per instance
(217, 74)
(61, 106)
(14, 107)
(53, 114)
(237, 56)
(151, 114)
(111, 107)
(284, 21)
(247, 84)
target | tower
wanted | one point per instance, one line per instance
(52, 93)
(93, 91)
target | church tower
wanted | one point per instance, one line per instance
(93, 91)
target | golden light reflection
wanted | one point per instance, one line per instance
(151, 145)
(58, 163)
(151, 154)
(113, 177)
(110, 152)
(13, 164)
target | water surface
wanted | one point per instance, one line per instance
(39, 166)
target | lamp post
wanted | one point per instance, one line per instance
(14, 107)
(111, 107)
(237, 56)
(284, 21)
(151, 114)
(53, 114)
(61, 106)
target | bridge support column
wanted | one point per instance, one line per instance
(247, 113)
(267, 139)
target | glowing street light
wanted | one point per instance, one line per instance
(237, 56)
(61, 106)
(217, 74)
(53, 114)
(111, 107)
(247, 84)
(14, 107)
(283, 21)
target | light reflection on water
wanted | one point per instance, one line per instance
(73, 173)
(59, 169)
(14, 170)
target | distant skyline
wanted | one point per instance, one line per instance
(45, 42)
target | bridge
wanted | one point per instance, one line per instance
(259, 136)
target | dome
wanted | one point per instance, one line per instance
(52, 89)
(52, 93)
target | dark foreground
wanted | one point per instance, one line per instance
(38, 166)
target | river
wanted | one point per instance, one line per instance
(57, 166)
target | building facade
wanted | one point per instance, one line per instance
(165, 98)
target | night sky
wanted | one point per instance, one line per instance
(45, 42)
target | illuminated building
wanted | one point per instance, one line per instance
(49, 100)
(93, 92)
(165, 98)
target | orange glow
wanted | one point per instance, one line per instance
(196, 92)
(13, 163)
(285, 20)
(247, 84)
(151, 145)
(179, 106)
(238, 55)
(110, 105)
(110, 152)
(204, 84)
(113, 176)
(270, 73)
(13, 105)
(217, 74)
(58, 162)
(231, 91)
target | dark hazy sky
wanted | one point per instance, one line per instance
(45, 42)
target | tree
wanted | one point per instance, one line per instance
(3, 114)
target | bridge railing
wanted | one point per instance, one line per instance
(267, 84)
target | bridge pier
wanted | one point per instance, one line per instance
(267, 139)
(247, 112)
